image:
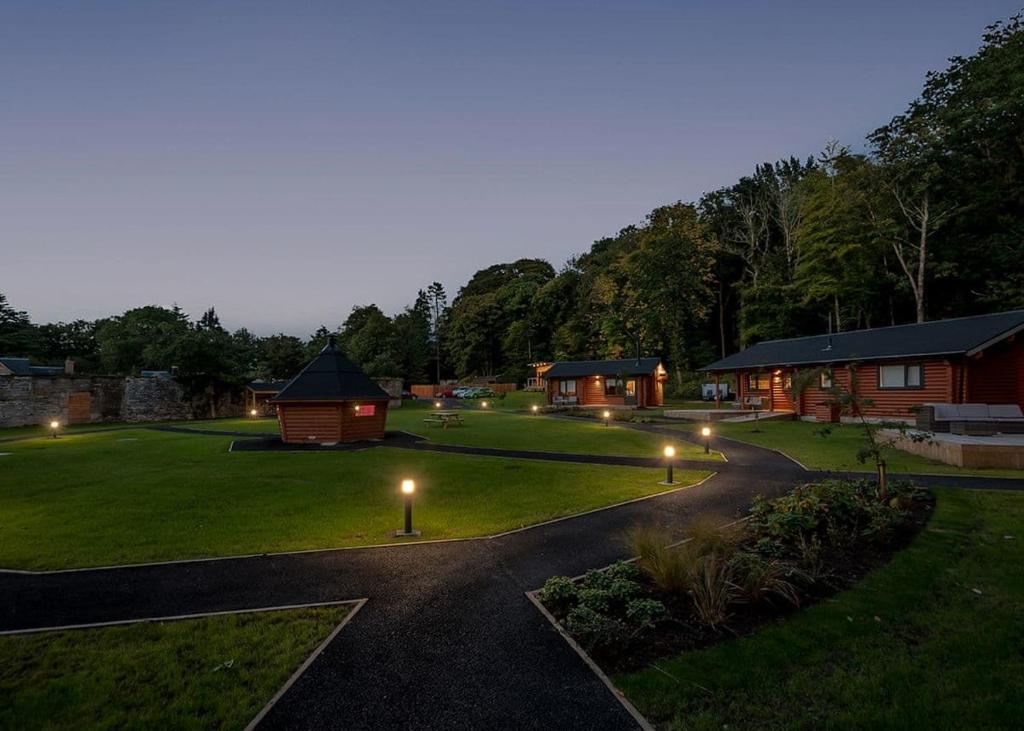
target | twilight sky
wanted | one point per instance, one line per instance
(286, 161)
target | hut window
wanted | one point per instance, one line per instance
(366, 409)
(567, 388)
(826, 379)
(631, 387)
(613, 387)
(758, 382)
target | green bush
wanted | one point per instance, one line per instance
(559, 593)
(595, 629)
(760, 577)
(643, 613)
(837, 513)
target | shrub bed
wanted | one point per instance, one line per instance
(726, 581)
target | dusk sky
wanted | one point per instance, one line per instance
(286, 161)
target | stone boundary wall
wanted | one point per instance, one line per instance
(31, 400)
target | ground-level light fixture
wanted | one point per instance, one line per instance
(606, 415)
(408, 488)
(483, 404)
(534, 408)
(437, 404)
(253, 413)
(54, 428)
(706, 433)
(670, 454)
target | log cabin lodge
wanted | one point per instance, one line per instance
(630, 382)
(977, 359)
(331, 400)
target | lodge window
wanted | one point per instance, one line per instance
(567, 388)
(366, 409)
(901, 376)
(631, 388)
(758, 382)
(613, 387)
(826, 379)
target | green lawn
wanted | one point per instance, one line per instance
(211, 673)
(246, 425)
(931, 640)
(838, 451)
(490, 428)
(140, 495)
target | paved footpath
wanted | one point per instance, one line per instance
(447, 638)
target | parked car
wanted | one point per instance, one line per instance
(409, 395)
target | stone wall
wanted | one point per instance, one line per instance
(154, 399)
(29, 400)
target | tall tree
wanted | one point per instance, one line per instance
(437, 301)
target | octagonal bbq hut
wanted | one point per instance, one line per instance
(331, 400)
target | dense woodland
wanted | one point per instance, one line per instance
(927, 222)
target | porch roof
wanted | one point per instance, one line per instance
(621, 367)
(958, 336)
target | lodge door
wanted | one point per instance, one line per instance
(630, 395)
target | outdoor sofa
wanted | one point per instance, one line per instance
(971, 419)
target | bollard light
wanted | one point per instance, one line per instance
(54, 428)
(408, 488)
(437, 404)
(607, 415)
(534, 408)
(252, 413)
(706, 433)
(670, 453)
(483, 404)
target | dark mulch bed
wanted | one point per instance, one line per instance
(680, 631)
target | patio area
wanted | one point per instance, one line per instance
(726, 413)
(1000, 451)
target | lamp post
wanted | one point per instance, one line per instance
(670, 453)
(706, 433)
(607, 415)
(54, 427)
(408, 488)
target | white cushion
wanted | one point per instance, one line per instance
(1005, 411)
(974, 411)
(946, 412)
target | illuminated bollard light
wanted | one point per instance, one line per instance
(408, 488)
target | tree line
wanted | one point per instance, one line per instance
(926, 222)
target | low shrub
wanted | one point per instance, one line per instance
(713, 588)
(596, 630)
(559, 593)
(759, 578)
(838, 513)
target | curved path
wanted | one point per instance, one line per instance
(447, 638)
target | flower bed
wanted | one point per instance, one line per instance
(726, 581)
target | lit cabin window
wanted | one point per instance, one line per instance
(366, 409)
(758, 382)
(567, 388)
(826, 379)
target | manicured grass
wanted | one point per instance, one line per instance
(246, 425)
(140, 495)
(211, 673)
(838, 451)
(490, 428)
(932, 640)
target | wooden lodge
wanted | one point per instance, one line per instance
(976, 359)
(630, 382)
(331, 400)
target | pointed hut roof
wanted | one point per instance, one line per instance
(330, 377)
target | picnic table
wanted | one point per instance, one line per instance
(444, 419)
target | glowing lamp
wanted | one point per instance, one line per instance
(252, 413)
(534, 408)
(437, 404)
(483, 404)
(408, 488)
(706, 433)
(670, 453)
(54, 426)
(607, 415)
